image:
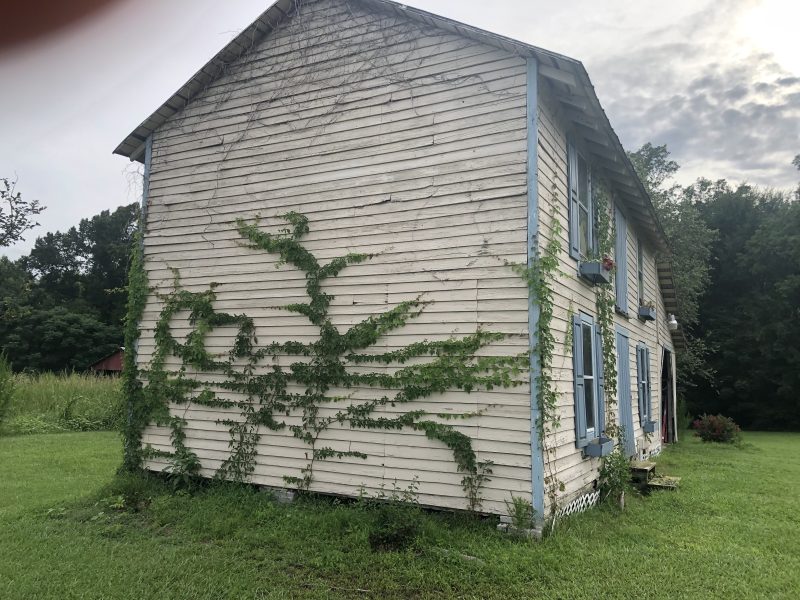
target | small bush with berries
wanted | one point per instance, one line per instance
(717, 428)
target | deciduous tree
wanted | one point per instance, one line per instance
(16, 214)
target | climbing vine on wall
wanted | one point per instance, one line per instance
(308, 387)
(136, 412)
(541, 276)
(605, 301)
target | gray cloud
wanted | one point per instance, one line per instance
(734, 114)
(666, 72)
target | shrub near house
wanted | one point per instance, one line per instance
(716, 428)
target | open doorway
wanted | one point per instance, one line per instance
(667, 399)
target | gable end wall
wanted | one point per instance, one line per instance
(390, 138)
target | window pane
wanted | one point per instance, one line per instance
(641, 273)
(645, 402)
(583, 182)
(588, 364)
(588, 388)
(583, 231)
(584, 210)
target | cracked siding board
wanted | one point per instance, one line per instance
(577, 473)
(428, 166)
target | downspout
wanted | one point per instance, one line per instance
(537, 450)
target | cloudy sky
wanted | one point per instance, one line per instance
(718, 81)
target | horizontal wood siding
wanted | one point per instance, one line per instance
(572, 294)
(392, 139)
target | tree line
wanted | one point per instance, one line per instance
(62, 305)
(735, 251)
(736, 258)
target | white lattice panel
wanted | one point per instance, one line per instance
(579, 505)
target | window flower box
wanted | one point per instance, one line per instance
(602, 446)
(597, 273)
(650, 427)
(647, 313)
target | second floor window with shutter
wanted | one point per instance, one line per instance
(621, 258)
(640, 272)
(581, 211)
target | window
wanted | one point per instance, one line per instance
(588, 371)
(640, 258)
(621, 258)
(643, 382)
(581, 210)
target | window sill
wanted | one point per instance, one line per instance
(622, 313)
(599, 447)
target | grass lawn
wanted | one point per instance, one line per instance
(731, 531)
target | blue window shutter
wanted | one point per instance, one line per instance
(600, 379)
(577, 365)
(572, 195)
(621, 258)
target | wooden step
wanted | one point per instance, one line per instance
(643, 466)
(664, 482)
(642, 471)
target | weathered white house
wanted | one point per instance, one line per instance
(447, 152)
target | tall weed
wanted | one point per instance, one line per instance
(53, 402)
(7, 385)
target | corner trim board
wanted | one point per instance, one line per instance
(537, 451)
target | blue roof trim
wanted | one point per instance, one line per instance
(537, 451)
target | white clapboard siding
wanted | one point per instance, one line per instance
(394, 139)
(575, 472)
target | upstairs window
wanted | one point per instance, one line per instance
(621, 258)
(640, 271)
(581, 209)
(588, 379)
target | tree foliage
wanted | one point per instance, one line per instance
(750, 315)
(690, 239)
(71, 282)
(736, 259)
(57, 338)
(16, 214)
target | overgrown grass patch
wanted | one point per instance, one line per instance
(58, 402)
(731, 530)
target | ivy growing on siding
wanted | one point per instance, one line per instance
(605, 301)
(136, 413)
(306, 388)
(541, 276)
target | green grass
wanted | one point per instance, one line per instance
(57, 402)
(731, 531)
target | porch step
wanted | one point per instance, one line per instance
(664, 482)
(642, 471)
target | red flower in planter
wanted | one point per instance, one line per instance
(608, 263)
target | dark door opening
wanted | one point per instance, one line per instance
(667, 395)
